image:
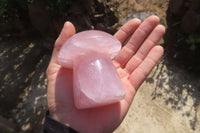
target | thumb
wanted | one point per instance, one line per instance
(67, 31)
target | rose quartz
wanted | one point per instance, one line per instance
(95, 79)
(85, 41)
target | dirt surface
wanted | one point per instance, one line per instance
(127, 7)
(168, 101)
(23, 64)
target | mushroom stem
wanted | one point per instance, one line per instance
(96, 81)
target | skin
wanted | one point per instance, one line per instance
(133, 63)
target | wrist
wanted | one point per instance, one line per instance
(51, 125)
(57, 116)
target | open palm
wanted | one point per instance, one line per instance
(133, 63)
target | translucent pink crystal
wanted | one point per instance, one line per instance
(95, 79)
(83, 42)
(96, 82)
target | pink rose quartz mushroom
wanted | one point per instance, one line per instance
(95, 79)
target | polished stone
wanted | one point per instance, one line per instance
(95, 79)
(96, 82)
(82, 42)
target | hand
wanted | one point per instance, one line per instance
(133, 63)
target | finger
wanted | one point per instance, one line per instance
(126, 30)
(136, 40)
(143, 70)
(67, 31)
(142, 52)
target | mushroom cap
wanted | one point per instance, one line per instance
(84, 42)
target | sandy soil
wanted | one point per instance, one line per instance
(167, 102)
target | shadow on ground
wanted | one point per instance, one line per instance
(177, 81)
(179, 90)
(23, 83)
